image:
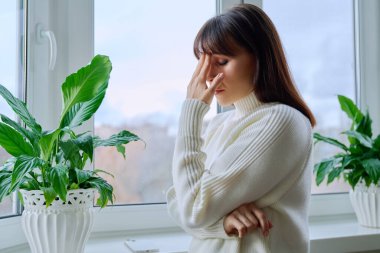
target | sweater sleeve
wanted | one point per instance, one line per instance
(215, 230)
(251, 167)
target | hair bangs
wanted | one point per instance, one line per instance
(214, 38)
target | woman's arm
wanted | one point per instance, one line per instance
(215, 230)
(255, 165)
(239, 222)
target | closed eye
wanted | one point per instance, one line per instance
(221, 63)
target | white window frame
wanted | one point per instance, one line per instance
(76, 47)
(20, 81)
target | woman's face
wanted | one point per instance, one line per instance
(238, 78)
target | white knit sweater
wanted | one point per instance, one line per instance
(257, 153)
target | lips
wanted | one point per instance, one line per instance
(218, 91)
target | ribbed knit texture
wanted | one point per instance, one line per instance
(257, 153)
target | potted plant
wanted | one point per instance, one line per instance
(358, 162)
(48, 167)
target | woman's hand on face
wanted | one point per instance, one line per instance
(245, 219)
(197, 88)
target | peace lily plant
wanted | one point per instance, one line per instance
(359, 161)
(53, 161)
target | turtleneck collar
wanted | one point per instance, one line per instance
(247, 104)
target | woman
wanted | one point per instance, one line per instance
(251, 167)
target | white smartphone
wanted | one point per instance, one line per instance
(141, 246)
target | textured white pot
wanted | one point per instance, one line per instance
(63, 227)
(366, 203)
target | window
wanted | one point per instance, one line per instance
(9, 73)
(150, 45)
(318, 37)
(72, 23)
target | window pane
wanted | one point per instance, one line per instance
(8, 72)
(318, 36)
(150, 46)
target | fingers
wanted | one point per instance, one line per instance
(214, 84)
(239, 227)
(199, 65)
(234, 226)
(245, 214)
(205, 68)
(197, 87)
(246, 218)
(252, 222)
(263, 221)
(249, 221)
(209, 93)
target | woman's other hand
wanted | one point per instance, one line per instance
(197, 88)
(245, 219)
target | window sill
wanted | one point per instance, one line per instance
(342, 233)
(328, 234)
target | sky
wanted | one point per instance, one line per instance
(8, 49)
(318, 39)
(150, 46)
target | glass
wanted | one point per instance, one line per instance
(150, 45)
(8, 73)
(318, 37)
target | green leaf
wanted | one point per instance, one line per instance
(348, 160)
(33, 138)
(84, 161)
(19, 196)
(70, 132)
(376, 143)
(85, 143)
(59, 179)
(367, 179)
(96, 171)
(324, 167)
(372, 167)
(354, 176)
(47, 143)
(123, 137)
(334, 174)
(121, 150)
(49, 195)
(80, 112)
(105, 190)
(29, 184)
(363, 139)
(85, 84)
(23, 165)
(74, 186)
(13, 142)
(83, 175)
(20, 109)
(71, 153)
(356, 149)
(318, 137)
(349, 107)
(365, 125)
(5, 183)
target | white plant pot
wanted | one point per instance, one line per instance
(366, 203)
(63, 227)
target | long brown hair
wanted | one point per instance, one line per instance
(248, 27)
